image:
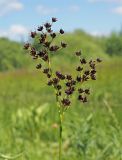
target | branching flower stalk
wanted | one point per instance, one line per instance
(65, 85)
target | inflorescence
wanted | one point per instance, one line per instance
(65, 85)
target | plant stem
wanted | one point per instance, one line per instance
(60, 135)
(61, 113)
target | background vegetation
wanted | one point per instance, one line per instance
(28, 116)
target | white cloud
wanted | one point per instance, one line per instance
(18, 29)
(74, 8)
(7, 6)
(14, 32)
(3, 33)
(117, 10)
(44, 10)
(98, 33)
(117, 1)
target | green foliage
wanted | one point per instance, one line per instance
(29, 120)
(12, 55)
(28, 116)
(113, 44)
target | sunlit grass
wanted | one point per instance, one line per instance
(28, 119)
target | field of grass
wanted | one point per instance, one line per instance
(29, 120)
(12, 55)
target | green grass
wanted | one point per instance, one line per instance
(29, 115)
(29, 119)
(12, 55)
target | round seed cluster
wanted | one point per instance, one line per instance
(65, 85)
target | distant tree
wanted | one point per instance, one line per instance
(113, 44)
(120, 33)
(12, 55)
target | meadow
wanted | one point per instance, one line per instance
(28, 112)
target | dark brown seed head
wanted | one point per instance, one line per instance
(79, 68)
(60, 75)
(53, 35)
(84, 99)
(63, 45)
(47, 25)
(33, 34)
(39, 66)
(93, 71)
(66, 102)
(68, 84)
(78, 53)
(87, 91)
(92, 64)
(80, 97)
(41, 53)
(59, 87)
(48, 75)
(40, 28)
(59, 93)
(41, 40)
(33, 51)
(83, 61)
(61, 31)
(69, 91)
(43, 36)
(55, 81)
(85, 77)
(45, 57)
(91, 61)
(80, 90)
(87, 72)
(54, 48)
(98, 60)
(93, 77)
(50, 82)
(46, 70)
(26, 46)
(49, 30)
(68, 77)
(73, 82)
(78, 78)
(47, 44)
(54, 19)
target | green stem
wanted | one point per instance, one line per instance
(61, 113)
(10, 158)
(60, 136)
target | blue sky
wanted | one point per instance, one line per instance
(18, 17)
